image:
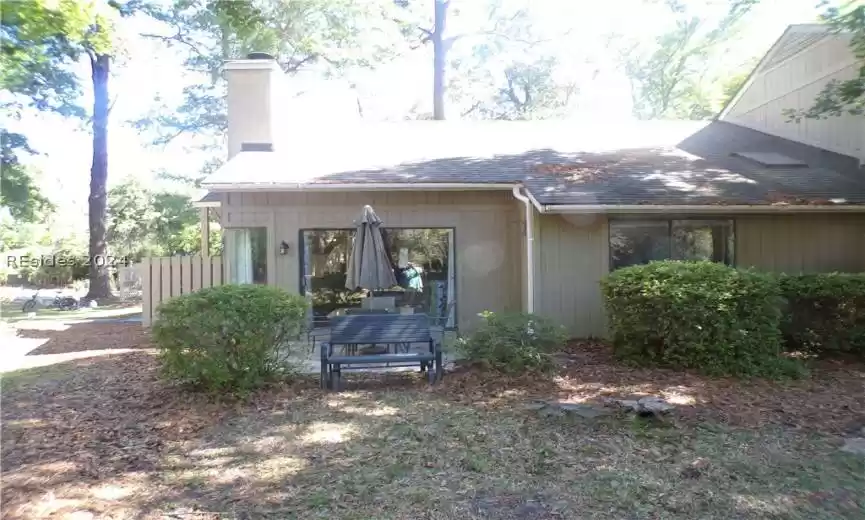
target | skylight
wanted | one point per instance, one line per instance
(771, 159)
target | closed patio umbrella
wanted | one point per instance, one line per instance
(369, 265)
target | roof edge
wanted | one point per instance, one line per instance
(367, 186)
(702, 209)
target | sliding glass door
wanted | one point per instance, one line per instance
(422, 260)
(246, 254)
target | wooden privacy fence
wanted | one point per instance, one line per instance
(166, 277)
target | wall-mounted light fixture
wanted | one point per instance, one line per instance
(283, 248)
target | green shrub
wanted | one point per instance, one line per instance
(230, 338)
(825, 313)
(696, 315)
(513, 342)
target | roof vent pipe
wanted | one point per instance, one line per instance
(530, 247)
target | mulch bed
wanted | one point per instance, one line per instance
(79, 337)
(106, 416)
(829, 401)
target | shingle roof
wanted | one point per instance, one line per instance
(647, 162)
(796, 39)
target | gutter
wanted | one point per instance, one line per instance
(518, 190)
(393, 186)
(702, 209)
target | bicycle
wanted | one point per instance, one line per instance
(63, 303)
(30, 305)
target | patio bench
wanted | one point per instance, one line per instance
(390, 330)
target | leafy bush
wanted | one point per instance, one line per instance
(825, 313)
(698, 315)
(513, 342)
(228, 338)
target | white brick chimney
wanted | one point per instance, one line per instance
(254, 100)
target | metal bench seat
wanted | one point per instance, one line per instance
(379, 329)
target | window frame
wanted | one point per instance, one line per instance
(669, 221)
(301, 288)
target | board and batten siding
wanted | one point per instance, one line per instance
(488, 235)
(801, 243)
(794, 84)
(572, 256)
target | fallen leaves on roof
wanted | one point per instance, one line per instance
(579, 172)
(783, 199)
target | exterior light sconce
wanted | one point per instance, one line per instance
(283, 248)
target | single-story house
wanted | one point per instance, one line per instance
(510, 216)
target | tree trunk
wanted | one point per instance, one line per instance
(99, 277)
(439, 59)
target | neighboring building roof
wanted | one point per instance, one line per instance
(647, 162)
(209, 200)
(795, 39)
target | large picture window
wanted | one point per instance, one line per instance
(642, 241)
(422, 260)
(246, 254)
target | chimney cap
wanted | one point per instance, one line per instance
(259, 56)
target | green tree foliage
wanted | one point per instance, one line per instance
(499, 70)
(530, 91)
(669, 81)
(839, 97)
(143, 222)
(18, 190)
(38, 45)
(41, 40)
(328, 34)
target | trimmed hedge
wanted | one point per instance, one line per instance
(228, 338)
(697, 315)
(825, 313)
(513, 342)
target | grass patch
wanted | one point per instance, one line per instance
(13, 379)
(12, 313)
(104, 435)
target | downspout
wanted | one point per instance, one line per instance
(530, 247)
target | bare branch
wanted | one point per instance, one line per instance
(472, 109)
(293, 66)
(177, 38)
(113, 102)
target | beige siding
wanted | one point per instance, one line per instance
(571, 251)
(812, 243)
(793, 84)
(572, 258)
(253, 97)
(488, 237)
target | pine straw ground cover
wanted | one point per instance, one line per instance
(102, 437)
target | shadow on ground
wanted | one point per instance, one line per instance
(104, 435)
(80, 337)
